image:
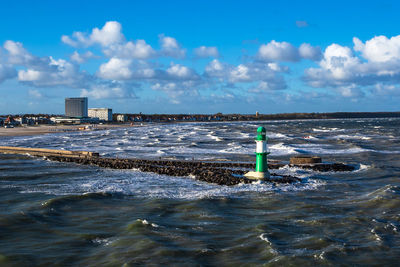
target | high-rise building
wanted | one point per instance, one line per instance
(76, 107)
(104, 114)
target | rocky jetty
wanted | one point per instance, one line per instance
(221, 173)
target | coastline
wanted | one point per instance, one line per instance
(46, 129)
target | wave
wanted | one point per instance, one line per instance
(327, 130)
(135, 184)
(281, 149)
(350, 137)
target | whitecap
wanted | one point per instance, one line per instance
(146, 222)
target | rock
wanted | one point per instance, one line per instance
(305, 159)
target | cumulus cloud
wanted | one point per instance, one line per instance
(170, 47)
(267, 74)
(379, 48)
(43, 71)
(278, 51)
(341, 68)
(112, 41)
(116, 69)
(126, 69)
(181, 72)
(215, 69)
(177, 89)
(258, 72)
(81, 58)
(204, 52)
(240, 74)
(310, 52)
(17, 54)
(57, 73)
(284, 51)
(108, 35)
(138, 50)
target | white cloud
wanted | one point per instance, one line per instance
(77, 39)
(56, 73)
(81, 58)
(106, 36)
(284, 51)
(338, 60)
(170, 47)
(310, 52)
(259, 72)
(109, 34)
(386, 90)
(240, 74)
(126, 69)
(116, 69)
(204, 51)
(177, 90)
(138, 50)
(29, 75)
(262, 86)
(268, 73)
(18, 55)
(181, 72)
(379, 48)
(216, 69)
(340, 68)
(43, 71)
(278, 51)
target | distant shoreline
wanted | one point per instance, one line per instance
(194, 118)
(256, 117)
(46, 129)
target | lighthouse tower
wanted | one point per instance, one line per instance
(261, 154)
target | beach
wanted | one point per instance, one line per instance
(45, 129)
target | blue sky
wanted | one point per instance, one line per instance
(200, 56)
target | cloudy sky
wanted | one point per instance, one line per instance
(200, 56)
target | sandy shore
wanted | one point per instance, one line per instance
(45, 129)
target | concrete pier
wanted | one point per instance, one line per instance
(42, 152)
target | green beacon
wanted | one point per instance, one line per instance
(261, 154)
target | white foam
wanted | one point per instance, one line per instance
(282, 149)
(327, 130)
(352, 137)
(145, 222)
(272, 135)
(264, 237)
(362, 168)
(149, 185)
(102, 241)
(216, 138)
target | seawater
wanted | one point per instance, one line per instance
(63, 214)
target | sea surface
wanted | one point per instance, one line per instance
(64, 214)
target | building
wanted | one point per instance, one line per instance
(122, 117)
(69, 120)
(76, 107)
(104, 114)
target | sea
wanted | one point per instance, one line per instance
(65, 214)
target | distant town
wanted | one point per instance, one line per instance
(77, 112)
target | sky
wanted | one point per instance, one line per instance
(200, 56)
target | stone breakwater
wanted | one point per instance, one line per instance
(212, 172)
